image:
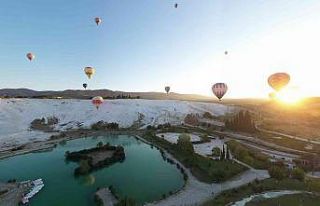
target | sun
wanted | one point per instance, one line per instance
(289, 96)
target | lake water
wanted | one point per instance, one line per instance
(144, 175)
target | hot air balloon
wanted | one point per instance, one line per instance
(175, 5)
(89, 71)
(278, 81)
(219, 90)
(30, 56)
(97, 101)
(272, 95)
(226, 53)
(85, 85)
(167, 89)
(97, 20)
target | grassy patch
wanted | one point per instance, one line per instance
(292, 200)
(203, 168)
(234, 195)
(288, 142)
(248, 155)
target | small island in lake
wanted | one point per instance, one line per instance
(96, 158)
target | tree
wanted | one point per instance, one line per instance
(277, 172)
(126, 202)
(100, 144)
(205, 138)
(184, 143)
(228, 154)
(216, 151)
(84, 167)
(298, 174)
(223, 153)
(207, 115)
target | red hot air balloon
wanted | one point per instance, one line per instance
(278, 80)
(98, 20)
(30, 56)
(97, 101)
(167, 89)
(219, 90)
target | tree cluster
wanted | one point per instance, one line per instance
(184, 144)
(122, 96)
(207, 115)
(101, 125)
(242, 121)
(85, 159)
(191, 119)
(225, 153)
(279, 171)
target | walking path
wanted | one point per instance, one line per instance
(196, 192)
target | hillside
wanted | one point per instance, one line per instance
(17, 114)
(88, 94)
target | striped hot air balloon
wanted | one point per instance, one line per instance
(278, 80)
(219, 90)
(89, 71)
(97, 101)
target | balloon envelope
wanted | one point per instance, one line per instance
(30, 56)
(97, 101)
(167, 89)
(89, 71)
(97, 20)
(272, 95)
(219, 90)
(278, 80)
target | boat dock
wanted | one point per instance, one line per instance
(37, 185)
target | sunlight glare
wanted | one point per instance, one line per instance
(290, 96)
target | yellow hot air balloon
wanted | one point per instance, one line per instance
(89, 71)
(278, 80)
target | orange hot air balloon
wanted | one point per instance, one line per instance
(30, 56)
(278, 80)
(97, 101)
(167, 89)
(98, 20)
(219, 90)
(89, 71)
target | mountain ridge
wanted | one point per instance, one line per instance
(86, 94)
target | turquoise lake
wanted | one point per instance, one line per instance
(143, 176)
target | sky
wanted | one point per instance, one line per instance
(144, 45)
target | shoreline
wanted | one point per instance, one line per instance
(193, 192)
(61, 136)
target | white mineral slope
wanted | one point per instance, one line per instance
(17, 114)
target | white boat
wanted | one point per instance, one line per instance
(37, 186)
